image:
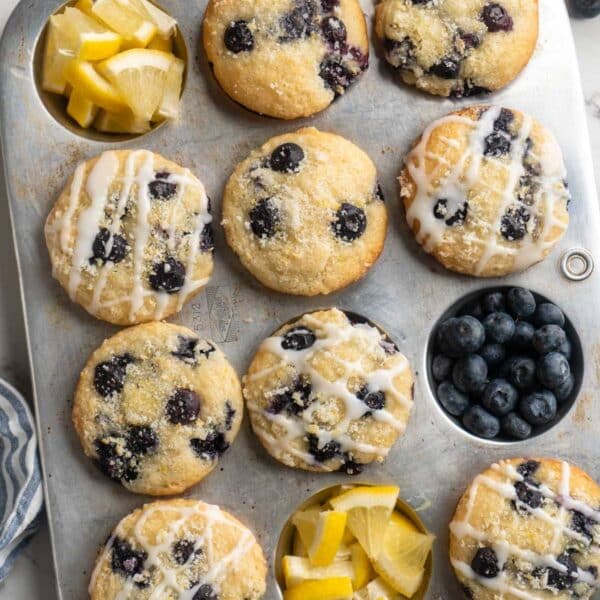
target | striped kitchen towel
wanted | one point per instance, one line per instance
(21, 494)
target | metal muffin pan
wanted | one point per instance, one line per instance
(405, 292)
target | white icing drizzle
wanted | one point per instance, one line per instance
(504, 550)
(459, 179)
(139, 171)
(331, 335)
(167, 573)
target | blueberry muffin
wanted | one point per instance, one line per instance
(130, 237)
(286, 58)
(457, 48)
(528, 529)
(328, 392)
(485, 191)
(305, 214)
(176, 550)
(156, 407)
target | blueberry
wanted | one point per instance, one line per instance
(323, 452)
(565, 389)
(125, 560)
(504, 120)
(293, 399)
(496, 18)
(374, 400)
(441, 367)
(521, 302)
(141, 439)
(521, 372)
(469, 88)
(499, 327)
(329, 5)
(350, 222)
(238, 37)
(548, 338)
(264, 218)
(474, 309)
(286, 158)
(379, 193)
(182, 551)
(459, 336)
(183, 407)
(335, 75)
(514, 223)
(582, 524)
(485, 563)
(167, 276)
(399, 53)
(453, 401)
(298, 22)
(118, 247)
(470, 373)
(560, 580)
(515, 427)
(480, 422)
(459, 216)
(499, 397)
(523, 335)
(538, 408)
(229, 415)
(115, 461)
(566, 349)
(205, 592)
(447, 68)
(333, 30)
(298, 338)
(528, 494)
(109, 376)
(350, 466)
(493, 354)
(586, 8)
(528, 468)
(494, 302)
(207, 239)
(548, 314)
(162, 190)
(440, 208)
(470, 40)
(497, 145)
(188, 347)
(553, 370)
(210, 447)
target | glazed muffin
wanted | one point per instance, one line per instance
(305, 213)
(156, 406)
(174, 549)
(455, 47)
(328, 392)
(528, 529)
(286, 58)
(484, 191)
(130, 237)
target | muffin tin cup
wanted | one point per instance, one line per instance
(405, 291)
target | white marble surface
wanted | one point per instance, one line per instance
(32, 578)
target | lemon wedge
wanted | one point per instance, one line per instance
(298, 548)
(126, 18)
(140, 76)
(81, 108)
(296, 570)
(82, 75)
(327, 537)
(377, 589)
(404, 552)
(165, 24)
(169, 106)
(369, 509)
(85, 6)
(363, 571)
(120, 122)
(305, 522)
(336, 588)
(162, 44)
(60, 49)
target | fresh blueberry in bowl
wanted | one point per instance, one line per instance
(586, 8)
(505, 364)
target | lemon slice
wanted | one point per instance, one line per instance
(120, 122)
(306, 523)
(124, 17)
(336, 588)
(82, 75)
(162, 44)
(60, 49)
(169, 106)
(327, 537)
(140, 76)
(405, 550)
(81, 108)
(165, 23)
(296, 570)
(369, 509)
(363, 571)
(85, 6)
(377, 589)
